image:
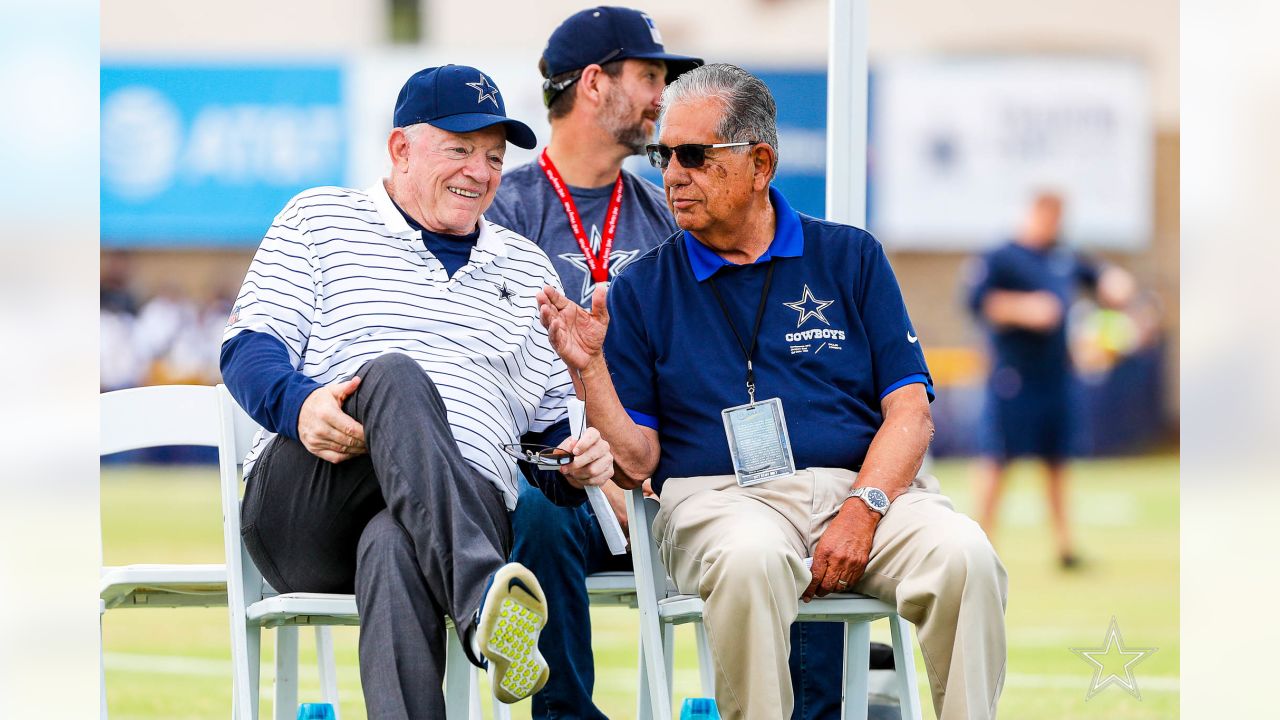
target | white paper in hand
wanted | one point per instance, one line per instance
(609, 525)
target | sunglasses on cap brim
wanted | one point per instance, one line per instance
(690, 155)
(551, 88)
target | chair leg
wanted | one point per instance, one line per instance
(457, 678)
(327, 666)
(253, 666)
(501, 710)
(904, 663)
(644, 701)
(285, 706)
(655, 667)
(102, 662)
(706, 666)
(474, 711)
(669, 656)
(857, 658)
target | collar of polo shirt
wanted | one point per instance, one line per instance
(788, 241)
(487, 242)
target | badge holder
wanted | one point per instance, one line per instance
(758, 442)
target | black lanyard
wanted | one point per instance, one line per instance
(755, 333)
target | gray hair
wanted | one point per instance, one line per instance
(749, 111)
(411, 132)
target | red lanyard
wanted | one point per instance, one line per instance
(597, 264)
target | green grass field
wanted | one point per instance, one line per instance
(176, 663)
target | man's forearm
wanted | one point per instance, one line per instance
(1038, 311)
(898, 448)
(635, 453)
(255, 367)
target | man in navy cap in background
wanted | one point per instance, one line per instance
(387, 340)
(604, 69)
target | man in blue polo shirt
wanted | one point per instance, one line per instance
(762, 368)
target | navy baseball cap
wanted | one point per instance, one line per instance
(603, 34)
(460, 99)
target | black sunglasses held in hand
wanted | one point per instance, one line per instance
(543, 456)
(690, 155)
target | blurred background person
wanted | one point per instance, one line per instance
(1020, 292)
(119, 362)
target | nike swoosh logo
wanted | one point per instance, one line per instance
(517, 582)
(911, 338)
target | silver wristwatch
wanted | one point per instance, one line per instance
(873, 497)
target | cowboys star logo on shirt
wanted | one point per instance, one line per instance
(815, 339)
(486, 88)
(618, 259)
(810, 307)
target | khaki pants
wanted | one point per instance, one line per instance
(742, 551)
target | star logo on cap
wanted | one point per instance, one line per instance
(486, 88)
(810, 307)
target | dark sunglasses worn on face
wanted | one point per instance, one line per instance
(690, 155)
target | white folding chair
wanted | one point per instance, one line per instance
(661, 608)
(254, 605)
(159, 416)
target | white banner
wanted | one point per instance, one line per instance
(959, 147)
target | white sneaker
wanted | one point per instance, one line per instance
(511, 618)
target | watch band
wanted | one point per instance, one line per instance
(862, 492)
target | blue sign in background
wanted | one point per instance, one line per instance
(207, 155)
(801, 96)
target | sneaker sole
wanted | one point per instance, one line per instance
(515, 611)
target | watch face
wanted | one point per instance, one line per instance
(877, 499)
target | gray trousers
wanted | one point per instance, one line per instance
(411, 528)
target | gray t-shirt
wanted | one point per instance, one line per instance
(526, 204)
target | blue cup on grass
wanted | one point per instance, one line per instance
(316, 711)
(699, 709)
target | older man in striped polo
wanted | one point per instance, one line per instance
(388, 340)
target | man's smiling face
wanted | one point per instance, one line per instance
(452, 177)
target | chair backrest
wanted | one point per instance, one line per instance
(158, 416)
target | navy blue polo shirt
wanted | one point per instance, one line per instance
(834, 340)
(1039, 358)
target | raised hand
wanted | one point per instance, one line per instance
(575, 334)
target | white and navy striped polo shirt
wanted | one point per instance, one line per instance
(341, 278)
